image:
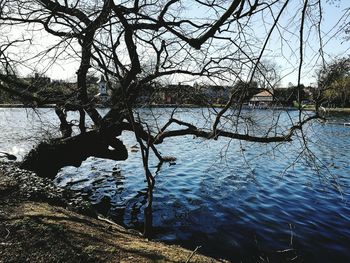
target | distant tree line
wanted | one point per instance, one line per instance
(334, 84)
(43, 87)
(156, 93)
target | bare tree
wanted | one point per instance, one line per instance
(135, 43)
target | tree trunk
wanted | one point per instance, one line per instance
(48, 157)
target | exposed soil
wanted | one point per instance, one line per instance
(36, 226)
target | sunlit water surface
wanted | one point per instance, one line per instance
(240, 201)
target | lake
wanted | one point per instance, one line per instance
(240, 201)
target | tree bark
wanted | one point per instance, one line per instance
(49, 157)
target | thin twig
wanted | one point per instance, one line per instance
(193, 253)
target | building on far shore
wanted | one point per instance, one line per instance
(213, 94)
(103, 95)
(263, 98)
(174, 94)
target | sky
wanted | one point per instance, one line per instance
(334, 46)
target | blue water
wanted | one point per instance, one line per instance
(241, 201)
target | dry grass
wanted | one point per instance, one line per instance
(39, 232)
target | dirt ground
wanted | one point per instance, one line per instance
(45, 231)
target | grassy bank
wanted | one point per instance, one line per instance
(340, 110)
(37, 228)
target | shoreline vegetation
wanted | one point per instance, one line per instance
(304, 107)
(43, 223)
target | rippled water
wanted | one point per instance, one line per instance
(240, 201)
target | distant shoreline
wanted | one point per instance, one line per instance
(245, 107)
(26, 106)
(157, 106)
